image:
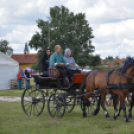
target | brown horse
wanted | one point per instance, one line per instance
(96, 79)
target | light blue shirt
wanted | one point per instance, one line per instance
(56, 59)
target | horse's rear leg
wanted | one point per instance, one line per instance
(83, 106)
(115, 102)
(103, 97)
(131, 106)
(96, 111)
(122, 105)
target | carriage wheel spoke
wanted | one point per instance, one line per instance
(29, 107)
(39, 106)
(27, 104)
(28, 97)
(37, 94)
(31, 110)
(36, 109)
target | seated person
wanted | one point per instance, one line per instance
(69, 59)
(57, 60)
(128, 60)
(45, 61)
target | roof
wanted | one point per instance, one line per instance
(25, 58)
(5, 60)
(114, 62)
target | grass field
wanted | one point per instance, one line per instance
(11, 92)
(14, 121)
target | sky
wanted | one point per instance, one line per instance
(112, 22)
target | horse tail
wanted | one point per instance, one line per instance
(83, 84)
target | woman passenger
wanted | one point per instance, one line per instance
(45, 61)
(69, 59)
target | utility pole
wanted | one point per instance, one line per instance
(49, 30)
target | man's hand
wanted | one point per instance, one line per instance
(62, 64)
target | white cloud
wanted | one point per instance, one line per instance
(21, 33)
(112, 22)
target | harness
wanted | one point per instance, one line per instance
(118, 85)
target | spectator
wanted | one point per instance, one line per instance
(19, 78)
(22, 73)
(27, 79)
(31, 72)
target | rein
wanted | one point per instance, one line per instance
(124, 75)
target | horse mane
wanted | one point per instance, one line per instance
(124, 69)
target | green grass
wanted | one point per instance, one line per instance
(14, 121)
(11, 92)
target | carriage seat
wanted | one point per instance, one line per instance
(78, 78)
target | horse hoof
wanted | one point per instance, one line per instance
(84, 117)
(114, 118)
(128, 121)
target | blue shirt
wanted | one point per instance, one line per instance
(127, 61)
(56, 59)
(22, 74)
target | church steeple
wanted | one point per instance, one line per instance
(26, 50)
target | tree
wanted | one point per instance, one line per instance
(4, 46)
(67, 30)
(109, 58)
(95, 60)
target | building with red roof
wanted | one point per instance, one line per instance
(113, 63)
(25, 59)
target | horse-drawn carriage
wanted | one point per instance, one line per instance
(60, 98)
(63, 98)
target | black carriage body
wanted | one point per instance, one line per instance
(44, 82)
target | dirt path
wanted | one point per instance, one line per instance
(10, 98)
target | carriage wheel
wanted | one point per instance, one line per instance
(93, 102)
(70, 103)
(56, 105)
(33, 101)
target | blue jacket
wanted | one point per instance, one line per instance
(22, 73)
(127, 61)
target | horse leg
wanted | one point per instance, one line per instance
(84, 107)
(96, 111)
(85, 103)
(115, 102)
(103, 97)
(131, 106)
(122, 105)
